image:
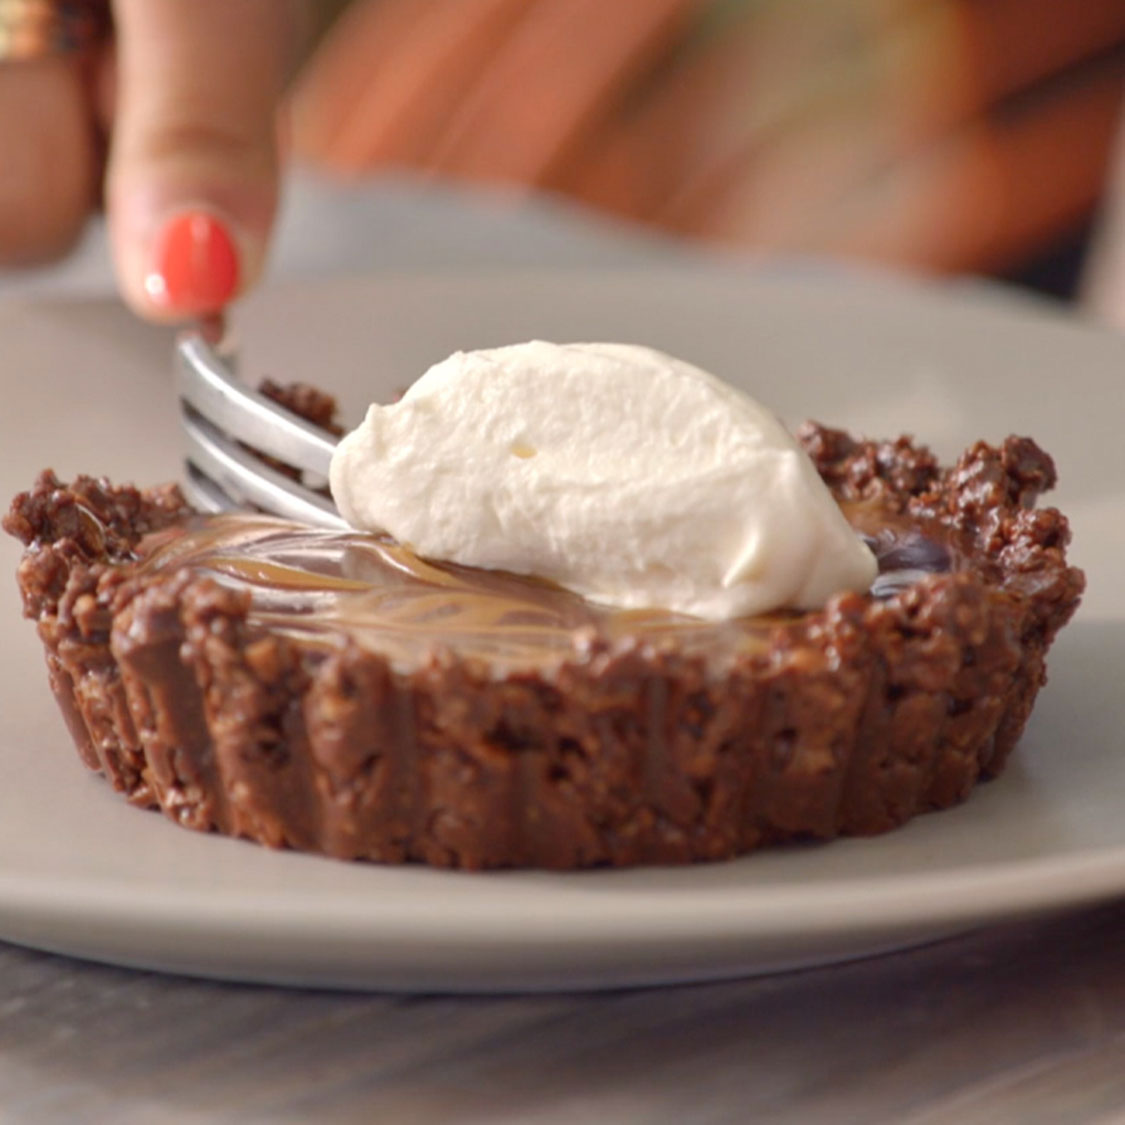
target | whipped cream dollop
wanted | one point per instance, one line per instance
(623, 474)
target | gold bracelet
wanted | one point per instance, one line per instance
(32, 29)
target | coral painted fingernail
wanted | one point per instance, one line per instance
(195, 266)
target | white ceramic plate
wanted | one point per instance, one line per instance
(82, 873)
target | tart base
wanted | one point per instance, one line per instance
(864, 715)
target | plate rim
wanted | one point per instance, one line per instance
(824, 906)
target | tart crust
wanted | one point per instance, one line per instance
(851, 722)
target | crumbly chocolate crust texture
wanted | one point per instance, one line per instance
(860, 717)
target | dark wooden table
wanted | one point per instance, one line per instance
(1023, 1023)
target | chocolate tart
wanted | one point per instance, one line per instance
(333, 693)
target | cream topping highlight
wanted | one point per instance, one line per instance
(618, 472)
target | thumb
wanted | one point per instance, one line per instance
(191, 187)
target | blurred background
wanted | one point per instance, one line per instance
(968, 138)
(938, 136)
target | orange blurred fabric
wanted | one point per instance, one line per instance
(944, 135)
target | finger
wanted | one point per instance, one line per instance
(391, 75)
(350, 58)
(981, 199)
(557, 75)
(894, 101)
(680, 127)
(49, 168)
(1013, 43)
(192, 181)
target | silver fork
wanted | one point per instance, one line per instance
(218, 412)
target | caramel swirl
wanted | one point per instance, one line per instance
(320, 586)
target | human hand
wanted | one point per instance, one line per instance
(951, 135)
(173, 125)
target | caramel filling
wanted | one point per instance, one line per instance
(321, 585)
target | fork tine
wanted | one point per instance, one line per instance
(207, 384)
(203, 493)
(245, 478)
